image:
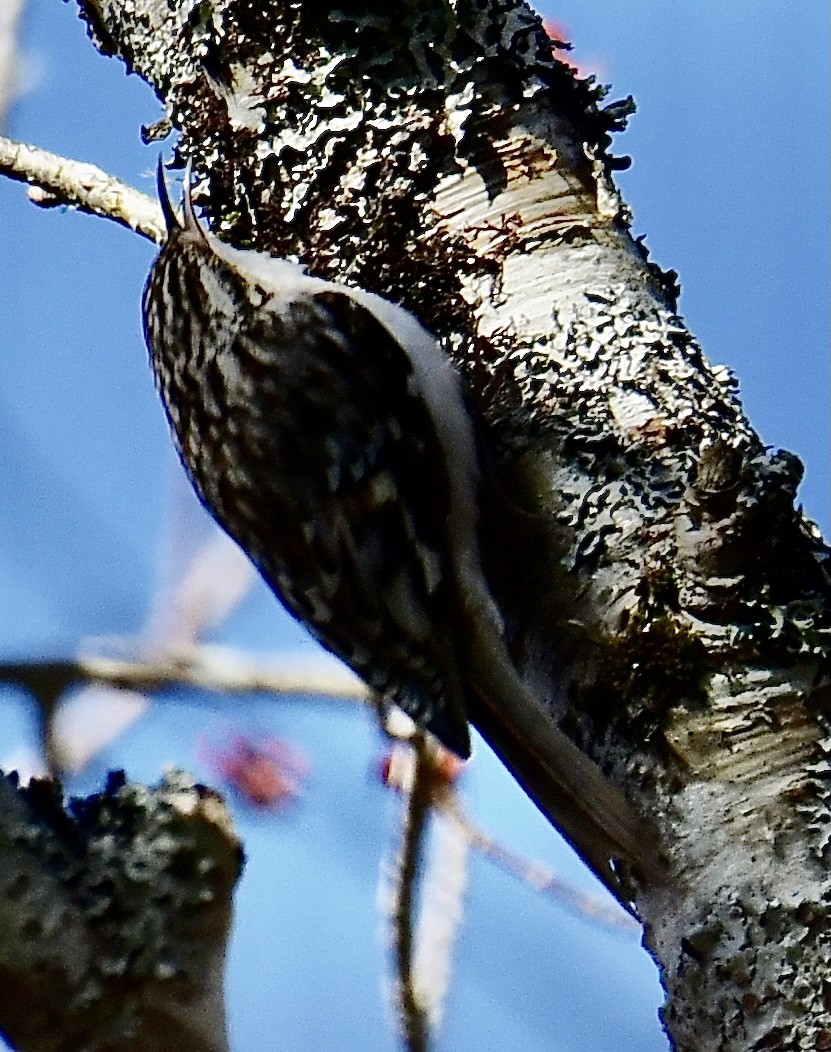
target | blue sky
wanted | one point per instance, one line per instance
(729, 183)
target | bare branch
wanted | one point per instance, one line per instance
(89, 720)
(450, 810)
(216, 669)
(213, 668)
(414, 1022)
(212, 582)
(539, 877)
(56, 180)
(441, 909)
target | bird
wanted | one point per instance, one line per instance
(328, 432)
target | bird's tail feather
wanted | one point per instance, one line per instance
(589, 811)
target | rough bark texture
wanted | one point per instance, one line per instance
(115, 915)
(663, 596)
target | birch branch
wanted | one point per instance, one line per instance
(56, 180)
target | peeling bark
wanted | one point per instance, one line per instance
(662, 594)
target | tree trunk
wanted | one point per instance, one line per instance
(661, 594)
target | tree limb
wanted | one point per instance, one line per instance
(212, 668)
(56, 180)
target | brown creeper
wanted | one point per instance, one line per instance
(326, 431)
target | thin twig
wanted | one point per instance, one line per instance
(204, 585)
(584, 904)
(56, 180)
(414, 1023)
(443, 887)
(213, 668)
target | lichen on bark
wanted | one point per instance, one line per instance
(116, 911)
